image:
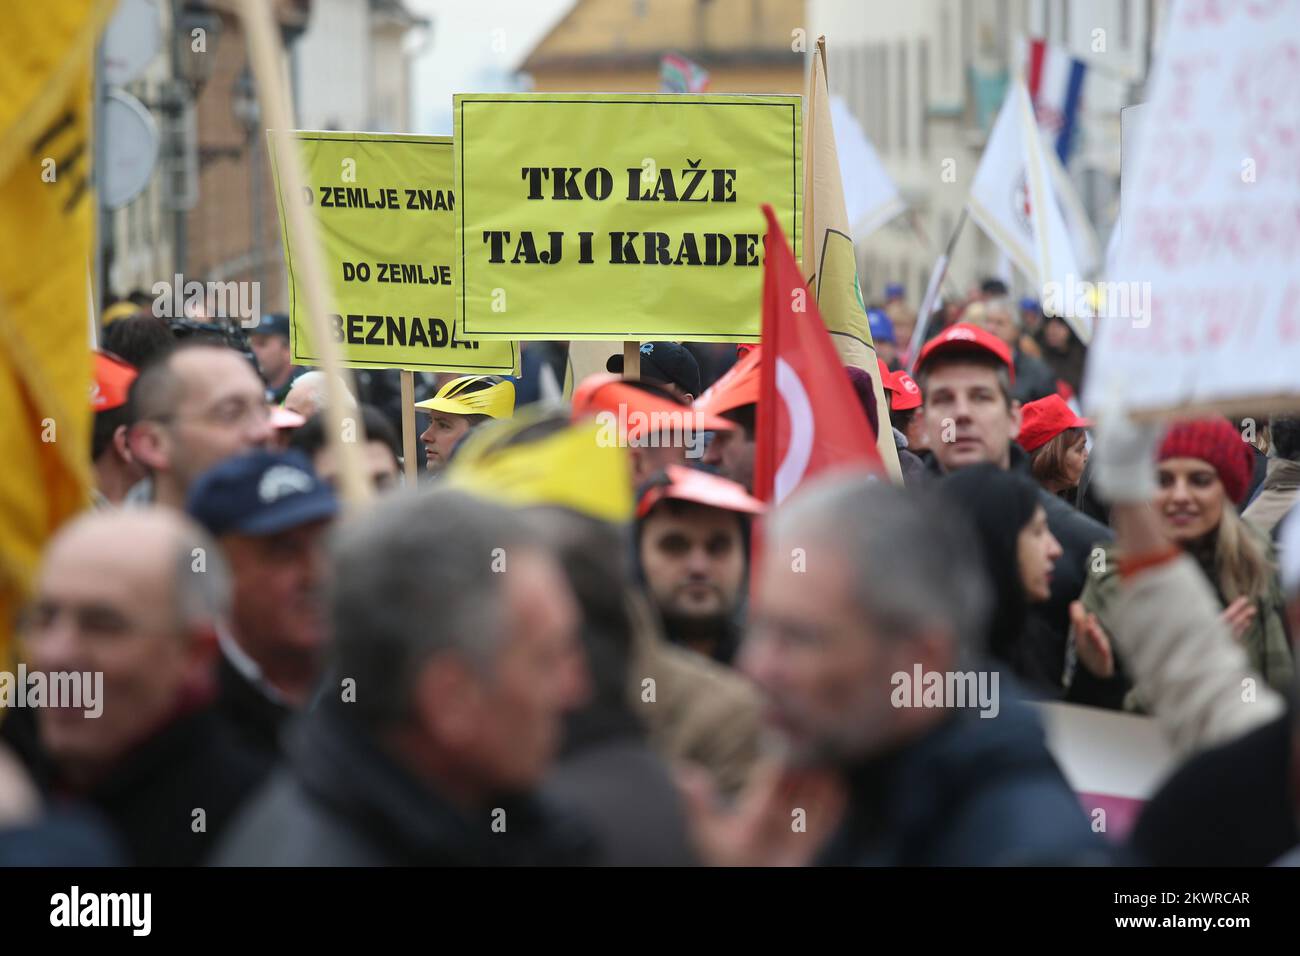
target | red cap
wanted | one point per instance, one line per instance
(736, 389)
(904, 393)
(700, 487)
(608, 392)
(1046, 418)
(113, 378)
(964, 337)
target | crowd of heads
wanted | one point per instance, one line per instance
(566, 590)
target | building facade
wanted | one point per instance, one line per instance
(926, 78)
(748, 46)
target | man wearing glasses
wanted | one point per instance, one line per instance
(196, 406)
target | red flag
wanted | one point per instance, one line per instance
(817, 424)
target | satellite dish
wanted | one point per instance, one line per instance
(130, 149)
(131, 40)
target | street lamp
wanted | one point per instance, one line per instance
(198, 28)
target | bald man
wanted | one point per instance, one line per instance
(126, 610)
(191, 409)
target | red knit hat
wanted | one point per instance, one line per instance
(1216, 442)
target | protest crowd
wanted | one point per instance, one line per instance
(805, 591)
(557, 650)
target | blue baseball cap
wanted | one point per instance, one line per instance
(272, 323)
(882, 330)
(260, 493)
(894, 290)
(1029, 304)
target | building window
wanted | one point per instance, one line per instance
(923, 93)
(904, 114)
(882, 92)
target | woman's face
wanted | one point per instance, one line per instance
(1076, 457)
(1190, 499)
(1057, 334)
(1038, 550)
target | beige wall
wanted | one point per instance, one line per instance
(646, 80)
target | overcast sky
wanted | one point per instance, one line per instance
(475, 48)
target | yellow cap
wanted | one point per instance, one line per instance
(120, 310)
(496, 399)
(570, 468)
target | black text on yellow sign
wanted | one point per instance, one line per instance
(385, 205)
(606, 216)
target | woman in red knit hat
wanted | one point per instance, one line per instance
(1203, 472)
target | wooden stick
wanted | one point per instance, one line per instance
(273, 92)
(408, 428)
(631, 359)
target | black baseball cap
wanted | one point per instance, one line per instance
(260, 493)
(273, 323)
(665, 362)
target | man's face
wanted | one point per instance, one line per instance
(277, 601)
(538, 675)
(272, 353)
(105, 604)
(445, 429)
(1003, 326)
(648, 459)
(732, 453)
(377, 460)
(967, 417)
(222, 412)
(823, 672)
(887, 352)
(694, 559)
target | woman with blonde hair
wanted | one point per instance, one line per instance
(1203, 471)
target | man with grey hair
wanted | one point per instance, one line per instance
(126, 612)
(454, 641)
(894, 741)
(307, 394)
(1033, 378)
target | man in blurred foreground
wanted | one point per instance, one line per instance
(134, 598)
(868, 599)
(455, 641)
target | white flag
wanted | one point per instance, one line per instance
(870, 197)
(1013, 200)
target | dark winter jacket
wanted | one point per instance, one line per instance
(171, 799)
(974, 791)
(344, 801)
(1229, 806)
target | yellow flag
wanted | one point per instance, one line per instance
(828, 258)
(46, 217)
(543, 472)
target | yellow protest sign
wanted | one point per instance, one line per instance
(385, 207)
(620, 216)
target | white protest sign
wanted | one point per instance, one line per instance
(1211, 222)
